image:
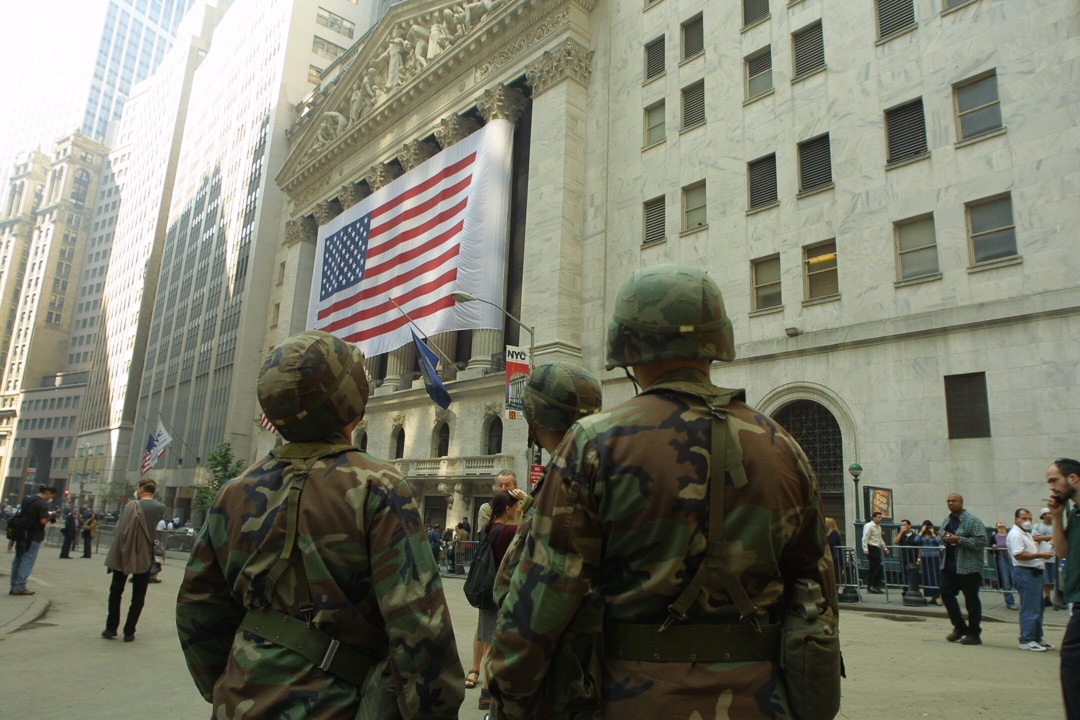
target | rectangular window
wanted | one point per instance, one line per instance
(766, 278)
(654, 58)
(759, 73)
(325, 48)
(281, 273)
(815, 164)
(894, 16)
(693, 197)
(276, 315)
(693, 105)
(654, 220)
(905, 129)
(991, 229)
(819, 263)
(966, 406)
(693, 37)
(754, 10)
(654, 123)
(762, 180)
(809, 50)
(978, 109)
(335, 23)
(313, 74)
(916, 247)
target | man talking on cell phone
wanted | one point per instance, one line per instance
(1063, 477)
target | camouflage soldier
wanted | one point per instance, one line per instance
(556, 396)
(695, 584)
(327, 608)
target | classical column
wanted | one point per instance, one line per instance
(325, 212)
(497, 103)
(399, 362)
(460, 502)
(554, 262)
(454, 129)
(415, 152)
(447, 343)
(350, 194)
(381, 174)
(371, 366)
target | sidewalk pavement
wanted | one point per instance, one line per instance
(993, 608)
(20, 611)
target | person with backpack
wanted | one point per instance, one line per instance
(27, 529)
(311, 591)
(496, 537)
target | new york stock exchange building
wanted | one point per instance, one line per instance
(893, 229)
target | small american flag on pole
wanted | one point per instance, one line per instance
(440, 228)
(155, 446)
(266, 424)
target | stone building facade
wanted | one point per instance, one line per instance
(886, 199)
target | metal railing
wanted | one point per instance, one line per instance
(853, 567)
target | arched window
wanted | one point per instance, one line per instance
(442, 440)
(363, 441)
(818, 433)
(493, 437)
(80, 184)
(397, 442)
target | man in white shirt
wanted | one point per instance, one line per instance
(873, 545)
(1028, 565)
(161, 524)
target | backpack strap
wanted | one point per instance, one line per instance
(301, 457)
(725, 461)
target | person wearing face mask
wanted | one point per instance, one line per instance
(1063, 477)
(1028, 565)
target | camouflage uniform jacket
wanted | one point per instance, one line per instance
(624, 511)
(373, 583)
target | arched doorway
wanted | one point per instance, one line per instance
(818, 433)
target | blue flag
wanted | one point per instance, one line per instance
(428, 360)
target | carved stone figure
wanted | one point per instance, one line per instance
(394, 55)
(331, 126)
(356, 101)
(418, 36)
(437, 38)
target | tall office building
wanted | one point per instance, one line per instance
(55, 285)
(84, 88)
(148, 139)
(216, 267)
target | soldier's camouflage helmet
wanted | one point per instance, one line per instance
(559, 394)
(668, 312)
(312, 385)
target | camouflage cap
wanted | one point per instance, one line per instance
(312, 385)
(668, 312)
(559, 394)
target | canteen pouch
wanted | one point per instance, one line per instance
(810, 655)
(573, 683)
(378, 698)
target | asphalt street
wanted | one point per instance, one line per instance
(898, 666)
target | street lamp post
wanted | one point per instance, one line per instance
(460, 296)
(850, 593)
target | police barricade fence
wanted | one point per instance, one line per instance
(852, 569)
(455, 558)
(177, 543)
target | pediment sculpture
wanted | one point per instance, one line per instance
(411, 46)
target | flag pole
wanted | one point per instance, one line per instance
(448, 361)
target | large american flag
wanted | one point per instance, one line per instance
(438, 229)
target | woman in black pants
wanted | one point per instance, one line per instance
(89, 532)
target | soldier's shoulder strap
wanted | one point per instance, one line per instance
(725, 462)
(300, 457)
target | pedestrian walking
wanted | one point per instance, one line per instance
(1041, 533)
(1003, 562)
(965, 542)
(1028, 564)
(632, 511)
(1063, 479)
(873, 547)
(505, 516)
(70, 533)
(311, 592)
(132, 554)
(29, 529)
(89, 532)
(905, 538)
(930, 562)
